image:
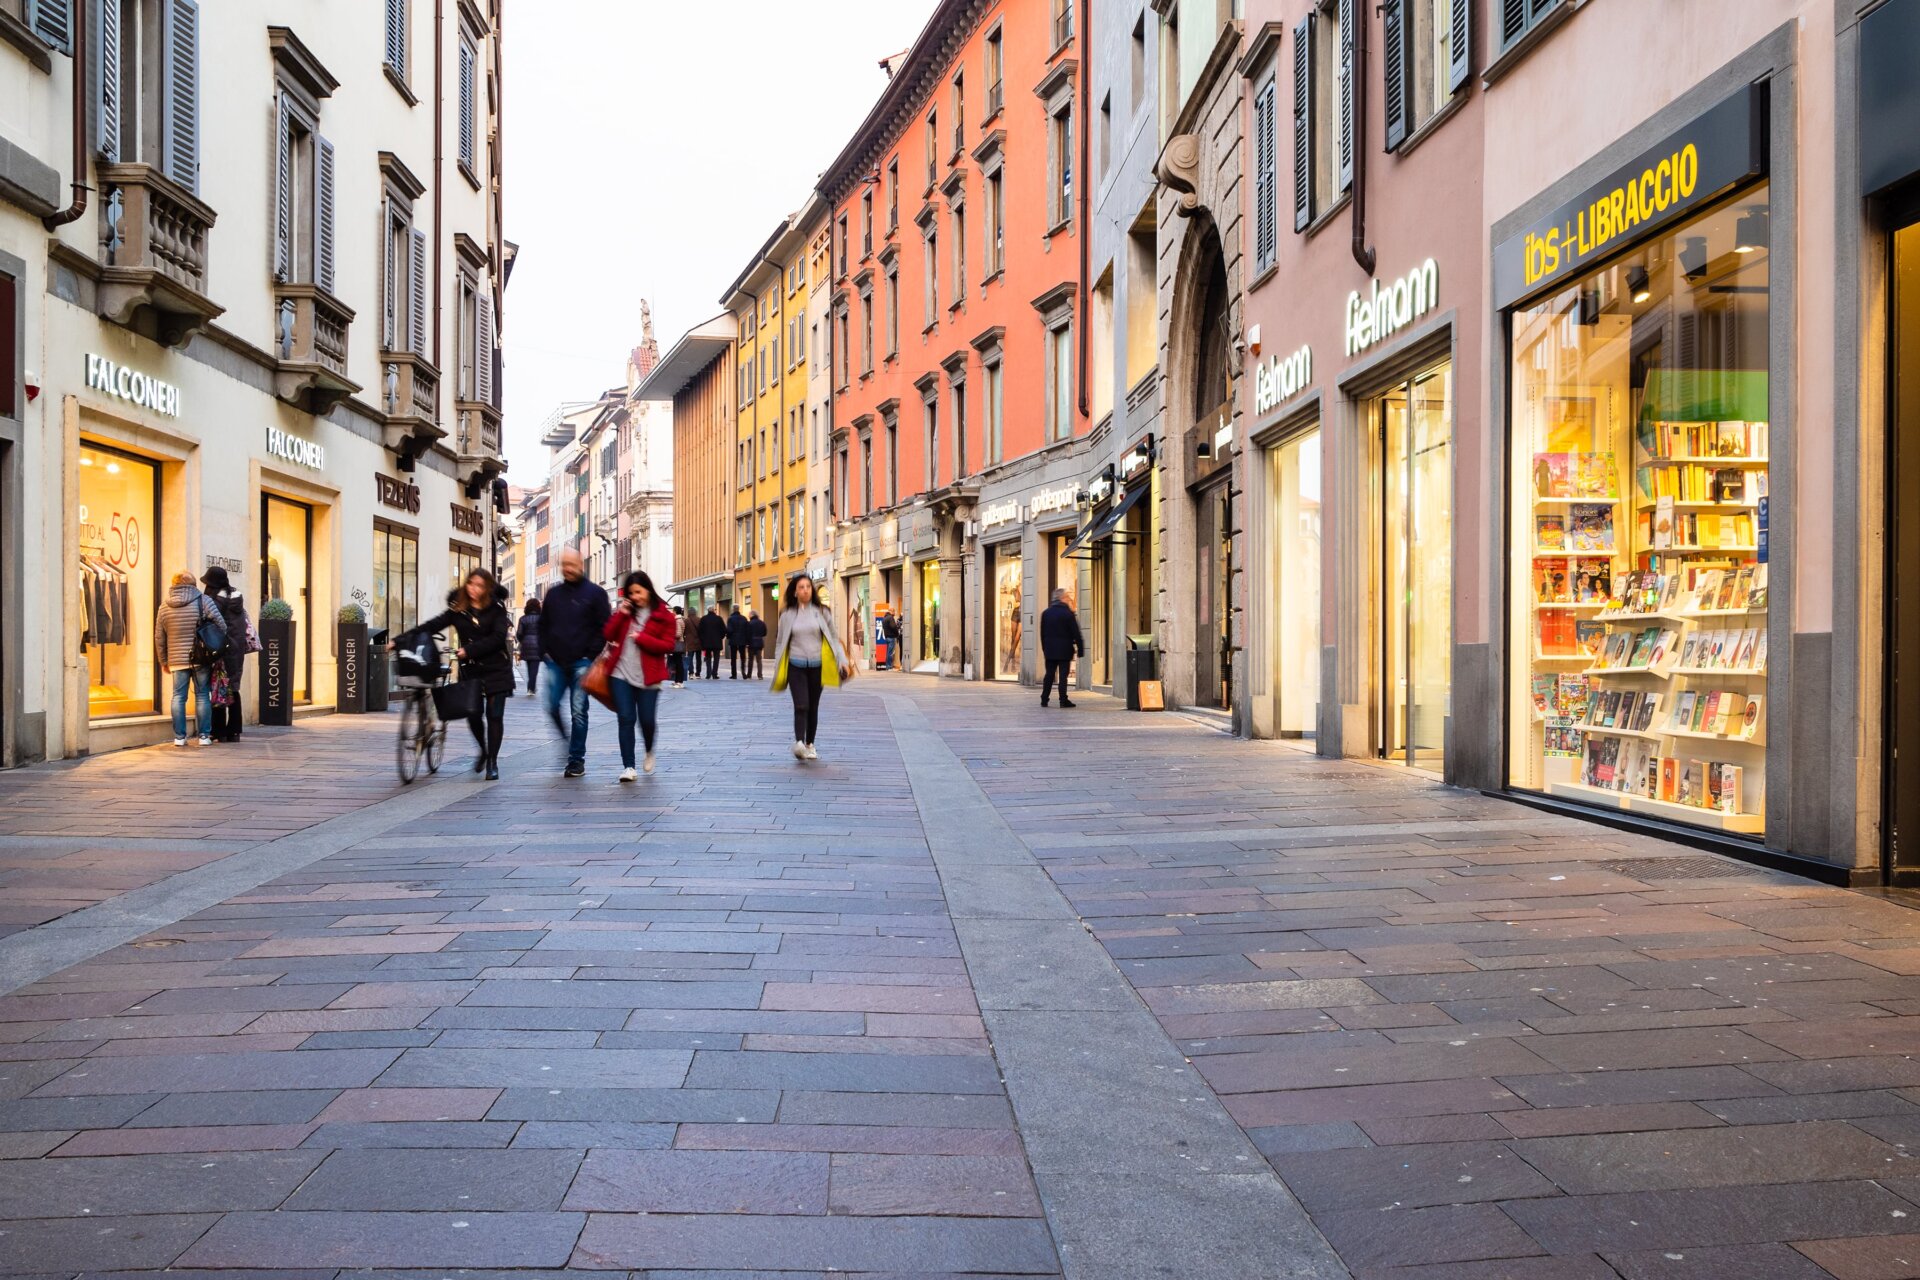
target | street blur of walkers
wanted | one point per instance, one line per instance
(677, 660)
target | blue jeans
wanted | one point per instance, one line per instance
(202, 678)
(633, 703)
(567, 680)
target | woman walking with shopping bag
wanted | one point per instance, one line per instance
(479, 618)
(640, 635)
(807, 658)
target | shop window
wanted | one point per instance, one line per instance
(1007, 601)
(1292, 613)
(1425, 58)
(396, 577)
(1412, 439)
(1322, 112)
(120, 567)
(1640, 469)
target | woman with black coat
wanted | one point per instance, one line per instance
(233, 611)
(479, 619)
(527, 635)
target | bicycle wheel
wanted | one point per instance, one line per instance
(413, 727)
(436, 741)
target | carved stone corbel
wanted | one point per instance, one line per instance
(1179, 171)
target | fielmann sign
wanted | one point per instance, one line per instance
(1697, 163)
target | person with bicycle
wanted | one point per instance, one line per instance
(479, 619)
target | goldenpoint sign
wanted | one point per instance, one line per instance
(1390, 308)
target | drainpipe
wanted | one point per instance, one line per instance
(1362, 254)
(439, 175)
(80, 51)
(1086, 198)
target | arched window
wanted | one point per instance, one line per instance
(1213, 370)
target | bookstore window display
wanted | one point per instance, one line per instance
(119, 582)
(1640, 529)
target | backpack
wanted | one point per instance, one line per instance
(209, 634)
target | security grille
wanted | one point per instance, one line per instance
(1695, 867)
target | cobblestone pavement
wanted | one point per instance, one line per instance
(989, 991)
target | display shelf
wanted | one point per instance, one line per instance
(1727, 739)
(1729, 613)
(1677, 505)
(1742, 823)
(1539, 605)
(1653, 460)
(1662, 616)
(1658, 672)
(1645, 735)
(1574, 553)
(1744, 549)
(1561, 657)
(1718, 671)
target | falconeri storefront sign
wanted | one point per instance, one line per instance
(302, 453)
(136, 388)
(1386, 311)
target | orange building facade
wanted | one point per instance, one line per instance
(958, 293)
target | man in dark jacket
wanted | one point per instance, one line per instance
(572, 619)
(1060, 644)
(713, 637)
(736, 642)
(756, 644)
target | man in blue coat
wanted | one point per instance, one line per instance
(572, 619)
(1060, 644)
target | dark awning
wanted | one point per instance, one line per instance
(1104, 525)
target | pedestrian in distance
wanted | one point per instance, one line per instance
(713, 637)
(1060, 643)
(183, 654)
(226, 674)
(756, 644)
(737, 632)
(527, 636)
(479, 619)
(807, 658)
(573, 621)
(890, 627)
(641, 632)
(678, 659)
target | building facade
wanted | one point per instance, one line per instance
(252, 292)
(958, 342)
(700, 378)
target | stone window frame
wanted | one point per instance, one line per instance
(991, 156)
(1056, 311)
(1056, 93)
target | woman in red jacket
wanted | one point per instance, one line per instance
(641, 631)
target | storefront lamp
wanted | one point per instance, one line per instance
(1638, 284)
(1693, 256)
(1750, 233)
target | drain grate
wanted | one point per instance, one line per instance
(1694, 867)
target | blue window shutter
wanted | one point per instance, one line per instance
(1460, 67)
(1394, 22)
(1350, 13)
(323, 251)
(52, 21)
(107, 72)
(1303, 124)
(282, 191)
(417, 295)
(180, 94)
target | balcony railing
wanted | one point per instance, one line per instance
(153, 251)
(1062, 25)
(996, 98)
(310, 347)
(479, 441)
(410, 398)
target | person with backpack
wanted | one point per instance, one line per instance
(189, 636)
(226, 674)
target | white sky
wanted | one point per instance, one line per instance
(651, 146)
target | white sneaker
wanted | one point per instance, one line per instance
(811, 753)
(628, 775)
(799, 749)
(647, 763)
(206, 739)
(179, 742)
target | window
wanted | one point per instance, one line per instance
(959, 114)
(866, 333)
(993, 404)
(1106, 134)
(403, 317)
(1060, 382)
(149, 99)
(866, 470)
(959, 254)
(996, 243)
(1100, 363)
(799, 540)
(931, 406)
(893, 462)
(960, 460)
(1062, 22)
(893, 196)
(396, 577)
(1060, 136)
(1137, 77)
(813, 519)
(996, 74)
(841, 272)
(1322, 113)
(469, 106)
(303, 193)
(866, 224)
(933, 146)
(742, 540)
(1266, 196)
(121, 560)
(396, 38)
(1517, 17)
(933, 276)
(841, 494)
(845, 352)
(1424, 61)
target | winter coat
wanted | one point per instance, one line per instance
(713, 631)
(175, 624)
(1060, 637)
(680, 626)
(572, 616)
(233, 610)
(528, 636)
(483, 634)
(756, 634)
(737, 630)
(655, 641)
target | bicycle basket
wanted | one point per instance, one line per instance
(416, 662)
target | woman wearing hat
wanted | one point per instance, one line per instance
(227, 714)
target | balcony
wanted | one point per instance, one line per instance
(410, 399)
(479, 442)
(996, 98)
(311, 348)
(153, 247)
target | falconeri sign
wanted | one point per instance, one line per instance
(136, 388)
(304, 453)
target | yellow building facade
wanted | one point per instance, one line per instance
(769, 305)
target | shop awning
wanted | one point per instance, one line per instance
(1104, 525)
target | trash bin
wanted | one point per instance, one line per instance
(1143, 663)
(379, 672)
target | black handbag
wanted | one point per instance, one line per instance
(209, 637)
(458, 700)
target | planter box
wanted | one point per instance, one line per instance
(276, 672)
(355, 668)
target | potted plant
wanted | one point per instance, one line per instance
(276, 662)
(350, 651)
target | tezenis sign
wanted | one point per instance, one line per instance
(1690, 167)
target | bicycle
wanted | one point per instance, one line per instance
(423, 733)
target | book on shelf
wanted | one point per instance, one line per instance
(1729, 439)
(1593, 476)
(1553, 475)
(1643, 715)
(1550, 585)
(1590, 526)
(1564, 738)
(1550, 533)
(1749, 641)
(1749, 727)
(1758, 662)
(1574, 695)
(1729, 484)
(1661, 534)
(1589, 636)
(1693, 783)
(1757, 598)
(1592, 580)
(1723, 787)
(1682, 718)
(1669, 778)
(1728, 712)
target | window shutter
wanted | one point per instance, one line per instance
(1460, 68)
(466, 105)
(52, 21)
(417, 294)
(1265, 181)
(1349, 14)
(389, 282)
(483, 348)
(1303, 123)
(108, 68)
(282, 190)
(1394, 22)
(323, 215)
(180, 94)
(397, 36)
(1513, 20)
